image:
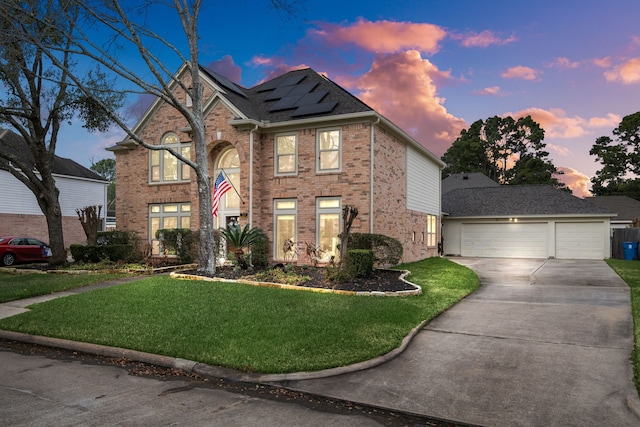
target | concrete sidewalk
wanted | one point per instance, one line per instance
(541, 343)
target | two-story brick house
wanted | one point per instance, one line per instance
(297, 149)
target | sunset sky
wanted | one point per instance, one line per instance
(435, 67)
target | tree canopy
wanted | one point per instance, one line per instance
(620, 160)
(39, 97)
(508, 151)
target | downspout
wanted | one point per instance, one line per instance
(371, 143)
(251, 175)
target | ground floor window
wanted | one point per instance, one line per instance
(328, 212)
(432, 230)
(285, 225)
(163, 216)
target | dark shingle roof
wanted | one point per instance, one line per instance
(294, 95)
(521, 200)
(12, 142)
(627, 208)
(467, 180)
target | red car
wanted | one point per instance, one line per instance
(14, 249)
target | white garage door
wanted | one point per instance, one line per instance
(512, 240)
(580, 240)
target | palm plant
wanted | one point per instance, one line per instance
(238, 238)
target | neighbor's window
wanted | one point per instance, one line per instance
(328, 213)
(432, 229)
(329, 144)
(163, 216)
(286, 154)
(165, 167)
(285, 221)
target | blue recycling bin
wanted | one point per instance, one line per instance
(630, 250)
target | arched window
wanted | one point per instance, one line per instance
(229, 162)
(164, 166)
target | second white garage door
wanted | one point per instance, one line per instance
(580, 240)
(512, 240)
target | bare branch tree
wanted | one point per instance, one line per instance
(123, 27)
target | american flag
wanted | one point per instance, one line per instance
(220, 187)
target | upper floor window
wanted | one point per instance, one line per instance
(165, 167)
(329, 149)
(286, 158)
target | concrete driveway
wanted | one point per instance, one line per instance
(541, 343)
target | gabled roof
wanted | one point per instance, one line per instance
(627, 208)
(293, 95)
(12, 142)
(467, 180)
(517, 200)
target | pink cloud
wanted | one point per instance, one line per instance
(276, 66)
(401, 87)
(521, 72)
(579, 183)
(483, 39)
(603, 62)
(383, 36)
(562, 62)
(557, 124)
(490, 91)
(627, 73)
(227, 67)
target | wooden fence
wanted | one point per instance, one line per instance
(621, 235)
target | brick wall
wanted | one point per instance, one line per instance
(352, 185)
(36, 226)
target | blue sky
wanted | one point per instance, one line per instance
(435, 67)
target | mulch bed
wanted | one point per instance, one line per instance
(378, 281)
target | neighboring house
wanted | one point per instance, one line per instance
(20, 212)
(521, 221)
(297, 148)
(628, 209)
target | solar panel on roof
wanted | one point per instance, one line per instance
(285, 103)
(270, 85)
(311, 98)
(292, 80)
(303, 88)
(279, 93)
(307, 110)
(225, 82)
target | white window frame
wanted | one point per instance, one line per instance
(160, 156)
(278, 211)
(432, 231)
(319, 151)
(183, 210)
(277, 156)
(328, 210)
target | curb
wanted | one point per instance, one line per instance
(204, 369)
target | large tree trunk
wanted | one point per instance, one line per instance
(51, 209)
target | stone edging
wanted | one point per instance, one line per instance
(403, 273)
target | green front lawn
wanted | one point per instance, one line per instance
(250, 328)
(630, 273)
(20, 286)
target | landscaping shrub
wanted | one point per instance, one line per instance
(115, 237)
(386, 250)
(360, 262)
(259, 257)
(177, 241)
(95, 254)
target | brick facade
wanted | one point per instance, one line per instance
(352, 184)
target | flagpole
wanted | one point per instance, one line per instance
(232, 186)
